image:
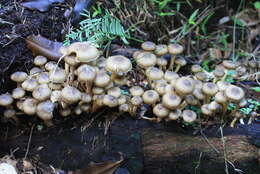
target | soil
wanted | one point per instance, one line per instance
(75, 142)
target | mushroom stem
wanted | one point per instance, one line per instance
(224, 109)
(173, 57)
(71, 74)
(150, 119)
(183, 105)
(207, 99)
(113, 76)
(88, 86)
(232, 124)
(177, 68)
(235, 110)
(67, 68)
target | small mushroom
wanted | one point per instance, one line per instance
(146, 60)
(171, 101)
(170, 75)
(49, 66)
(115, 91)
(222, 100)
(184, 86)
(136, 101)
(70, 95)
(206, 111)
(6, 100)
(40, 61)
(174, 49)
(87, 74)
(97, 102)
(162, 63)
(43, 78)
(65, 112)
(153, 74)
(209, 89)
(189, 116)
(124, 107)
(41, 92)
(161, 49)
(160, 87)
(160, 111)
(218, 73)
(175, 114)
(150, 97)
(29, 106)
(118, 65)
(97, 90)
(18, 93)
(44, 111)
(19, 77)
(70, 64)
(35, 71)
(102, 79)
(196, 68)
(222, 85)
(136, 91)
(148, 46)
(110, 101)
(29, 84)
(237, 115)
(57, 75)
(11, 114)
(180, 62)
(198, 94)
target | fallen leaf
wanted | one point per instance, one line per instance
(41, 5)
(40, 45)
(101, 168)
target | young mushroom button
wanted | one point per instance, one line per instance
(6, 100)
(118, 65)
(160, 111)
(174, 49)
(189, 116)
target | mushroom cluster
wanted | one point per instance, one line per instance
(87, 81)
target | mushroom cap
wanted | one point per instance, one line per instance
(110, 101)
(150, 97)
(84, 51)
(6, 99)
(175, 49)
(35, 70)
(71, 60)
(29, 84)
(114, 91)
(184, 86)
(124, 108)
(222, 85)
(146, 59)
(170, 75)
(19, 76)
(70, 94)
(136, 53)
(160, 87)
(97, 90)
(43, 78)
(50, 65)
(86, 98)
(220, 97)
(202, 76)
(19, 104)
(136, 100)
(175, 114)
(171, 101)
(136, 91)
(234, 93)
(154, 73)
(209, 89)
(55, 86)
(85, 107)
(213, 106)
(160, 111)
(6, 168)
(78, 110)
(161, 61)
(218, 73)
(169, 89)
(65, 112)
(181, 61)
(198, 93)
(57, 75)
(148, 46)
(196, 68)
(87, 73)
(45, 109)
(40, 60)
(18, 93)
(118, 64)
(55, 96)
(102, 79)
(161, 49)
(191, 100)
(42, 92)
(189, 116)
(29, 106)
(205, 110)
(228, 64)
(198, 83)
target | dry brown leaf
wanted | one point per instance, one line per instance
(101, 168)
(40, 45)
(41, 5)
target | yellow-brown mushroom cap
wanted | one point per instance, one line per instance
(171, 101)
(148, 46)
(234, 93)
(175, 49)
(189, 116)
(118, 64)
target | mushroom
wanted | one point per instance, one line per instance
(19, 77)
(18, 93)
(115, 91)
(206, 111)
(11, 114)
(222, 100)
(136, 91)
(77, 110)
(40, 61)
(214, 107)
(85, 107)
(234, 94)
(55, 96)
(84, 51)
(198, 94)
(150, 97)
(29, 106)
(180, 62)
(209, 89)
(170, 75)
(87, 74)
(196, 68)
(85, 98)
(124, 107)
(161, 49)
(6, 100)
(148, 46)
(97, 90)
(70, 95)
(153, 74)
(175, 114)
(237, 115)
(41, 92)
(110, 101)
(160, 111)
(202, 76)
(55, 86)
(162, 63)
(57, 75)
(160, 87)
(184, 86)
(65, 112)
(44, 111)
(174, 49)
(222, 85)
(136, 101)
(189, 100)
(97, 102)
(50, 65)
(122, 99)
(43, 78)
(29, 84)
(218, 73)
(229, 65)
(198, 83)
(121, 81)
(171, 101)
(70, 64)
(102, 79)
(118, 65)
(189, 116)
(146, 60)
(35, 71)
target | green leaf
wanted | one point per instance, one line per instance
(238, 22)
(257, 5)
(256, 89)
(204, 22)
(192, 17)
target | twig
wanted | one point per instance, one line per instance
(28, 144)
